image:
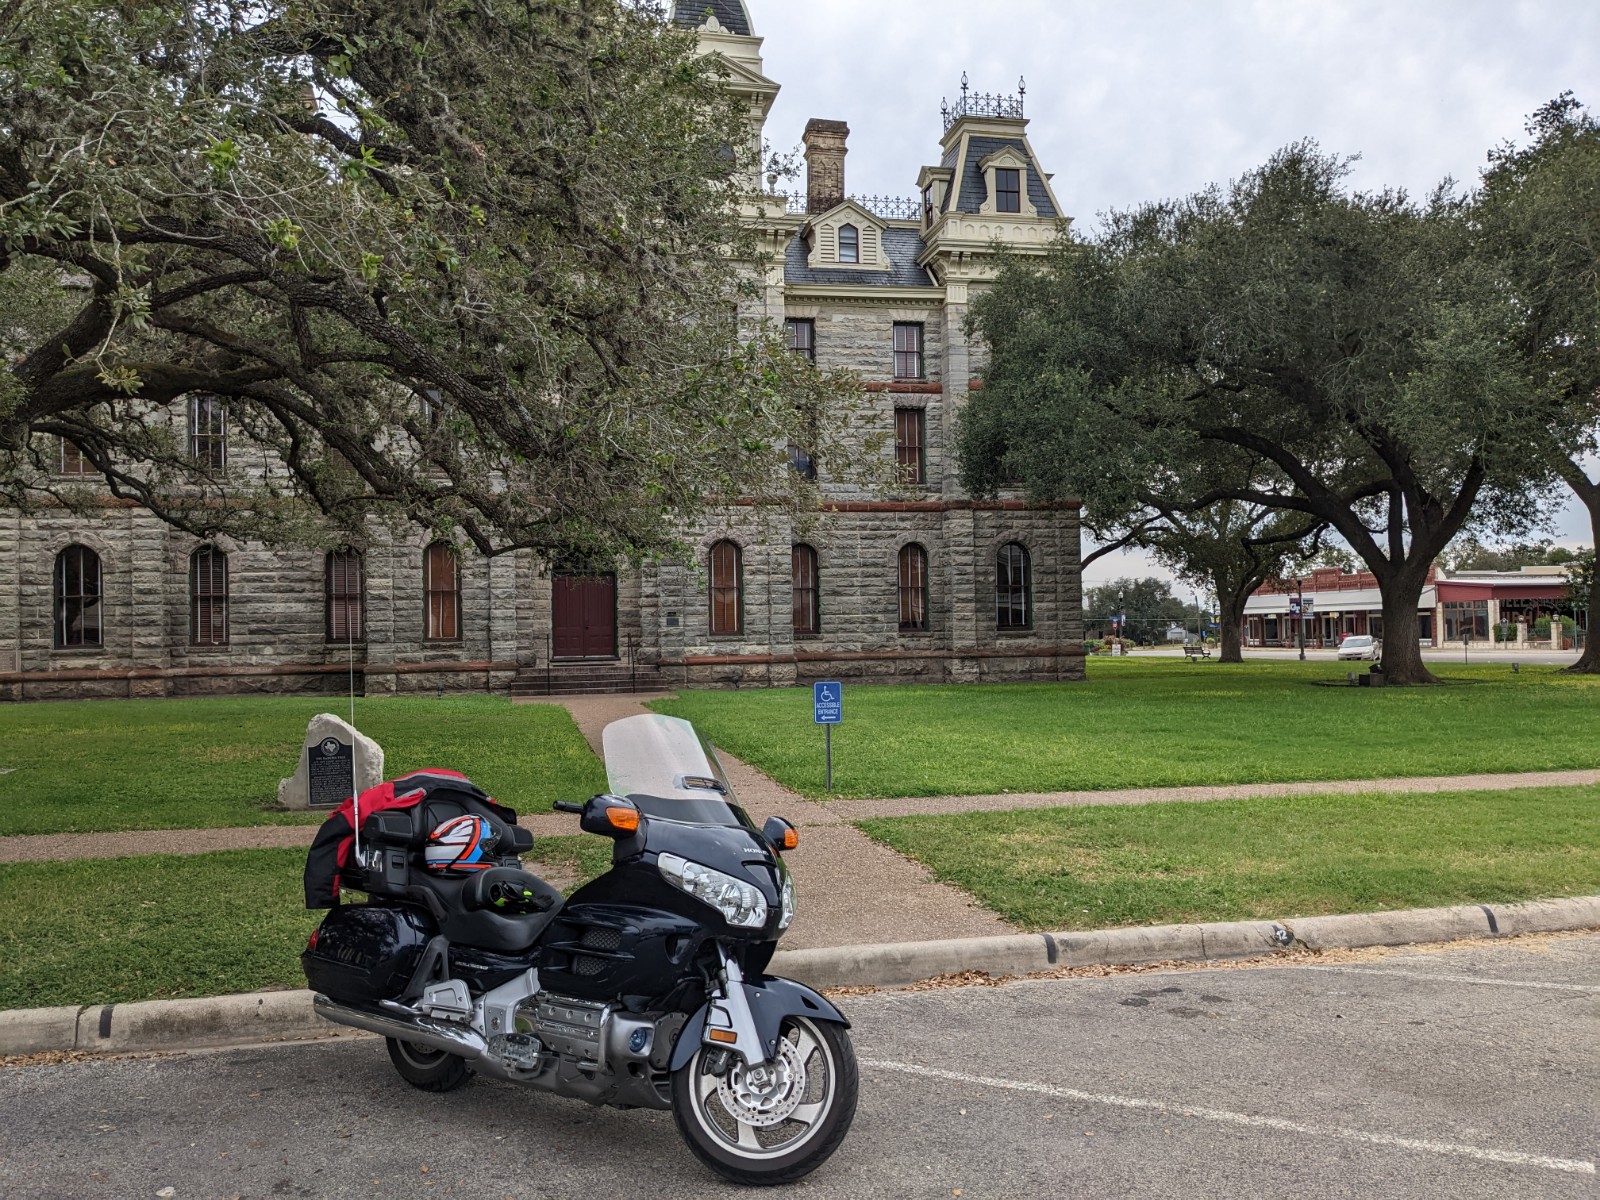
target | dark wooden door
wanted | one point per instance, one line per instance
(585, 616)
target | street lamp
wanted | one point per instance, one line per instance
(1300, 619)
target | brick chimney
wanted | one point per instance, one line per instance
(825, 150)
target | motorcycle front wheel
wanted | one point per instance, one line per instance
(773, 1124)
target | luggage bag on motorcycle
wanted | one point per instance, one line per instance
(364, 953)
(425, 798)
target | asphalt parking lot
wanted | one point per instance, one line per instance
(1462, 1072)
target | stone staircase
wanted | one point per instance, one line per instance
(589, 678)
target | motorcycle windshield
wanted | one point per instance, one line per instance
(669, 771)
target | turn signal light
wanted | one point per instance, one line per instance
(727, 1036)
(625, 819)
(791, 838)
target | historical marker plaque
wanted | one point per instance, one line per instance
(332, 772)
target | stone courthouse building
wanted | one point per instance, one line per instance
(920, 583)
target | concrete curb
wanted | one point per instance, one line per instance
(171, 1025)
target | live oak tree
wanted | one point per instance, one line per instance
(1353, 342)
(1232, 548)
(1539, 223)
(1229, 547)
(472, 264)
(1148, 604)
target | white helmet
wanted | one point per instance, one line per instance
(462, 845)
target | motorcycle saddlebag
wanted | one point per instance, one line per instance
(364, 953)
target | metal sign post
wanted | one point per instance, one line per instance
(827, 710)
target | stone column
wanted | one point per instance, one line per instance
(957, 381)
(674, 583)
(500, 589)
(960, 549)
(381, 562)
(10, 602)
(144, 563)
(780, 603)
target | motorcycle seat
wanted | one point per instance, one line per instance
(509, 891)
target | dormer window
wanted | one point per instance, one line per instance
(849, 237)
(849, 244)
(1008, 190)
(1006, 180)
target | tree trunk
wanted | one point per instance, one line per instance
(1230, 614)
(1402, 655)
(1589, 661)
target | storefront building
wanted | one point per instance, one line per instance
(1457, 607)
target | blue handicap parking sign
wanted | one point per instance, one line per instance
(828, 702)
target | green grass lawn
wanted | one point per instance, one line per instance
(125, 929)
(168, 764)
(1162, 723)
(1089, 868)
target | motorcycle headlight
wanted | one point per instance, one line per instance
(786, 916)
(741, 904)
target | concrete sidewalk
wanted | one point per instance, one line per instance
(765, 797)
(852, 890)
(909, 806)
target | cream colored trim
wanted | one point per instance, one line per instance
(965, 127)
(802, 312)
(858, 294)
(823, 231)
(1006, 157)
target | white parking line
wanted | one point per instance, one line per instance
(1483, 1154)
(1517, 983)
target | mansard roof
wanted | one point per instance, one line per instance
(902, 246)
(730, 14)
(971, 190)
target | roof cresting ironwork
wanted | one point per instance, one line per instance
(984, 104)
(890, 208)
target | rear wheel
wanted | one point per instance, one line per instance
(426, 1068)
(777, 1123)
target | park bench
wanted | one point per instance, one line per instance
(1194, 652)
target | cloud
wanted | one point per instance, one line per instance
(1141, 100)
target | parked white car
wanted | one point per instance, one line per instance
(1360, 646)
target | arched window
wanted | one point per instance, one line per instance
(913, 589)
(347, 597)
(727, 589)
(208, 597)
(849, 244)
(441, 586)
(807, 591)
(77, 597)
(1013, 588)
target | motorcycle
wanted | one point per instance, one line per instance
(645, 988)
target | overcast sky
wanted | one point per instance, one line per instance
(1134, 100)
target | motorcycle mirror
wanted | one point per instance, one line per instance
(610, 816)
(781, 834)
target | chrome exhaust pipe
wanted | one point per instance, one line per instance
(419, 1031)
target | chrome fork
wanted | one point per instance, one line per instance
(729, 1023)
